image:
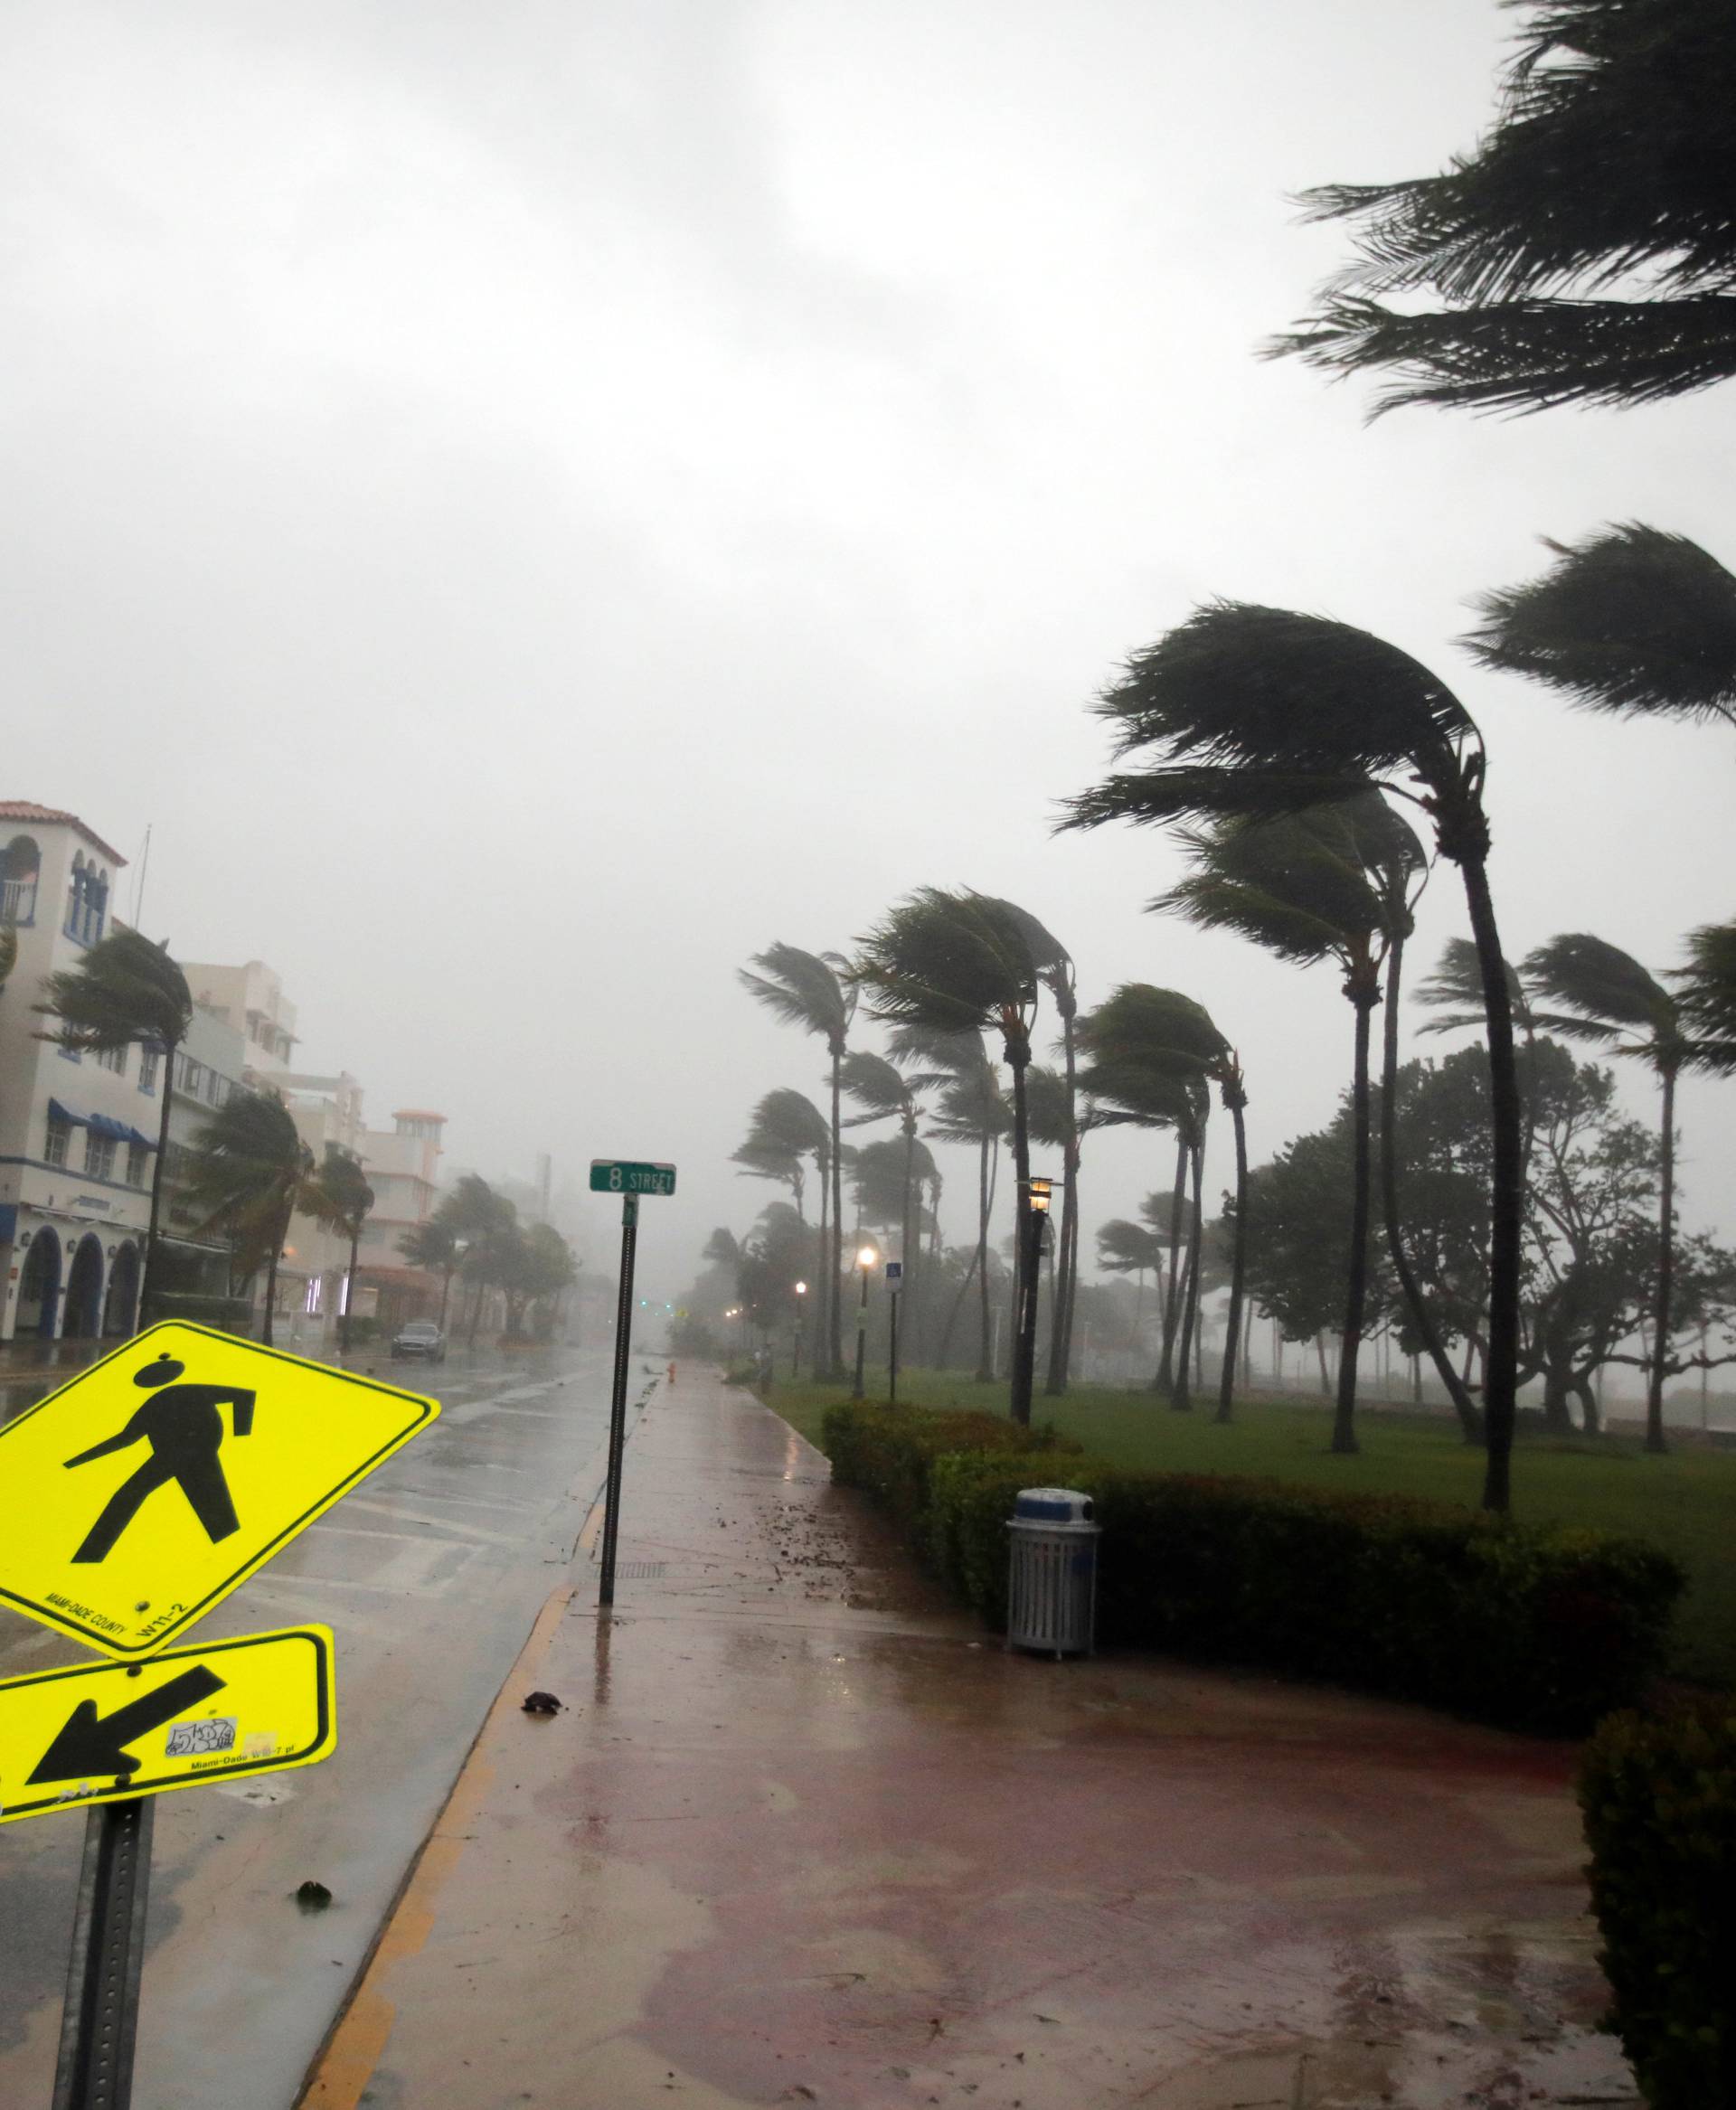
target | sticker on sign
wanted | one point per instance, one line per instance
(610, 1175)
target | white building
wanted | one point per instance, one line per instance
(403, 1168)
(77, 1133)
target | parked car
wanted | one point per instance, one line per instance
(421, 1337)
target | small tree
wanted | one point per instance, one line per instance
(342, 1201)
(251, 1172)
(433, 1245)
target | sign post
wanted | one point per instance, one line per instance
(629, 1181)
(894, 1282)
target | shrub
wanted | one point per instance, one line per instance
(1659, 1800)
(1542, 1628)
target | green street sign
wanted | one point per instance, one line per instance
(610, 1175)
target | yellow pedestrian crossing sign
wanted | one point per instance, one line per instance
(107, 1732)
(141, 1493)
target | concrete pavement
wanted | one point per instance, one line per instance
(801, 1833)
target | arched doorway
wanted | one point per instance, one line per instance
(84, 1291)
(118, 1307)
(39, 1288)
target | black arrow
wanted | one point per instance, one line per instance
(87, 1745)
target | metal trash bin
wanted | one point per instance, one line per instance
(1051, 1577)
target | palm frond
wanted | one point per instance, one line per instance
(1605, 992)
(876, 1085)
(1707, 997)
(801, 988)
(1631, 620)
(1455, 989)
(1128, 1249)
(124, 989)
(949, 963)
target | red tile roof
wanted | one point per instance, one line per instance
(24, 809)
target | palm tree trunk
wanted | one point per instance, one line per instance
(1507, 1197)
(985, 1358)
(446, 1291)
(1165, 1379)
(1343, 1423)
(157, 1185)
(349, 1291)
(1018, 1055)
(1654, 1439)
(1060, 1336)
(822, 1308)
(1181, 1398)
(904, 1250)
(271, 1270)
(1238, 1262)
(835, 1287)
(1470, 1421)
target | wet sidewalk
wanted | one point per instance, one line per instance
(802, 1833)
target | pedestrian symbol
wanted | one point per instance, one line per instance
(128, 1518)
(184, 1430)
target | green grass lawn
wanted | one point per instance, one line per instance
(1685, 1503)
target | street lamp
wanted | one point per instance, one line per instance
(796, 1343)
(1024, 1344)
(865, 1260)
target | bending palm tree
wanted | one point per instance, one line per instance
(433, 1245)
(251, 1172)
(805, 989)
(126, 989)
(1253, 711)
(787, 1128)
(1130, 1249)
(1708, 998)
(1611, 1001)
(1632, 621)
(883, 1092)
(972, 1109)
(962, 962)
(343, 1202)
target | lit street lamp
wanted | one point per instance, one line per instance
(1024, 1343)
(865, 1260)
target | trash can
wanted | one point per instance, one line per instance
(1051, 1577)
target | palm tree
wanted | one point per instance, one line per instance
(433, 1245)
(1606, 169)
(126, 989)
(1612, 1001)
(251, 1172)
(1708, 998)
(1631, 621)
(972, 1109)
(1130, 1249)
(805, 989)
(957, 963)
(1254, 711)
(1332, 883)
(477, 1217)
(884, 1093)
(343, 1202)
(1134, 1079)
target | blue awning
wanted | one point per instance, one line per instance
(144, 1142)
(56, 1112)
(102, 1124)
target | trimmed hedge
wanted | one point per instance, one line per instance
(1659, 1800)
(1537, 1628)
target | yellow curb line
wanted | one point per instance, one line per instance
(351, 2054)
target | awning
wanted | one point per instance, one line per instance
(102, 1124)
(144, 1142)
(56, 1112)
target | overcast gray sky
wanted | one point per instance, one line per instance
(534, 502)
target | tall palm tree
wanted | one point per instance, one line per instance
(811, 989)
(787, 1129)
(126, 989)
(962, 962)
(342, 1201)
(1255, 710)
(1611, 1001)
(1708, 997)
(433, 1245)
(478, 1218)
(1334, 883)
(251, 1172)
(884, 1093)
(1134, 1079)
(971, 1109)
(1631, 621)
(1605, 173)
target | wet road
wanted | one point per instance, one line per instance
(431, 1574)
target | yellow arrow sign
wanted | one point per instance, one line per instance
(105, 1732)
(141, 1493)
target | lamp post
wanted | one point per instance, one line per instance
(1024, 1346)
(796, 1339)
(865, 1259)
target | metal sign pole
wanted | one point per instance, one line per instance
(892, 1388)
(100, 2021)
(618, 1399)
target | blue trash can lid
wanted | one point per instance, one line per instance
(1053, 1506)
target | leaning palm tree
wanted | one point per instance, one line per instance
(1256, 711)
(811, 989)
(958, 963)
(1632, 621)
(1611, 1001)
(251, 1172)
(433, 1245)
(1130, 1249)
(478, 1218)
(126, 989)
(342, 1201)
(884, 1092)
(1708, 997)
(971, 1109)
(1332, 883)
(787, 1129)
